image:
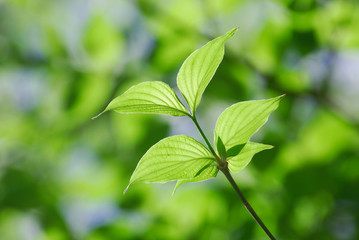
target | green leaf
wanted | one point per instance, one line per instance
(173, 158)
(221, 149)
(240, 121)
(148, 97)
(233, 151)
(238, 162)
(205, 173)
(199, 68)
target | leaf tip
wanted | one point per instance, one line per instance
(178, 183)
(124, 192)
(93, 118)
(173, 192)
(279, 98)
(234, 30)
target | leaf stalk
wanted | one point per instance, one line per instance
(219, 161)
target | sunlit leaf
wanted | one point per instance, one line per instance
(205, 173)
(148, 97)
(245, 155)
(199, 68)
(173, 158)
(240, 121)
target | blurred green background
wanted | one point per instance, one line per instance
(62, 175)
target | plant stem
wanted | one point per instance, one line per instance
(220, 163)
(245, 202)
(223, 166)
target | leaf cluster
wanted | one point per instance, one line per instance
(181, 158)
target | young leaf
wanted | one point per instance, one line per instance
(205, 173)
(173, 158)
(198, 69)
(238, 162)
(148, 97)
(233, 151)
(240, 121)
(221, 149)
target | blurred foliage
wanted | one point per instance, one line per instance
(62, 175)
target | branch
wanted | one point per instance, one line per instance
(223, 167)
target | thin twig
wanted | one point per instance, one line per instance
(245, 202)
